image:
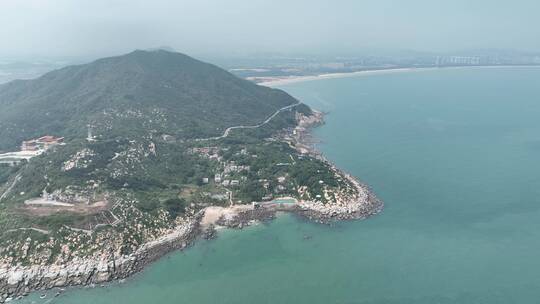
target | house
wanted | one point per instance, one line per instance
(265, 183)
(205, 180)
(220, 196)
(280, 188)
(29, 145)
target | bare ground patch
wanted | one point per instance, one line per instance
(40, 207)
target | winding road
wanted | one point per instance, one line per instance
(228, 130)
(225, 134)
(8, 190)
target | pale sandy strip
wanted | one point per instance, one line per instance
(279, 81)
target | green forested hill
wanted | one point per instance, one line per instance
(144, 108)
(144, 171)
(143, 92)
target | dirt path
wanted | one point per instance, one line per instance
(8, 190)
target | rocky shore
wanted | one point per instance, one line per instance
(20, 280)
(356, 202)
(360, 205)
(358, 210)
(246, 218)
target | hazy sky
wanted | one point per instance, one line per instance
(103, 27)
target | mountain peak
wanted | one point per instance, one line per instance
(140, 92)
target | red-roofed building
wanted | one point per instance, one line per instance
(42, 143)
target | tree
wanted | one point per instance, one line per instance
(175, 206)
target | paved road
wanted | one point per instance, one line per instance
(228, 130)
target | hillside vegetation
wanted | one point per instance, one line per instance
(156, 156)
(134, 95)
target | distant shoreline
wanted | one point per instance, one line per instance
(284, 80)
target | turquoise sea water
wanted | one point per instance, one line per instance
(455, 155)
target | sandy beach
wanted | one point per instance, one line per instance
(284, 80)
(277, 81)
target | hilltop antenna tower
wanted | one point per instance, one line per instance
(90, 136)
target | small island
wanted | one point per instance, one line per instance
(106, 167)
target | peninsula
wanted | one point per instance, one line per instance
(105, 167)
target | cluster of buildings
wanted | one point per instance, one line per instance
(30, 148)
(41, 144)
(208, 152)
(233, 168)
(230, 169)
(458, 60)
(232, 174)
(224, 178)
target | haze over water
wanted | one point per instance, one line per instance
(455, 155)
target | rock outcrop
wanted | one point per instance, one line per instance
(20, 280)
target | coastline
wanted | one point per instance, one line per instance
(285, 80)
(357, 206)
(18, 281)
